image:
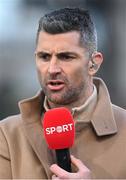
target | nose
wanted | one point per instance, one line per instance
(54, 66)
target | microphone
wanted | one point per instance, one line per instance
(59, 132)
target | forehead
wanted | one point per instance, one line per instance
(64, 41)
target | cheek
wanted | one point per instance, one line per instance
(77, 74)
(41, 72)
(41, 68)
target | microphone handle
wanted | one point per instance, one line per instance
(63, 159)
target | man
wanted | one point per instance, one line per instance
(66, 60)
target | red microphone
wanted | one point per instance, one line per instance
(59, 132)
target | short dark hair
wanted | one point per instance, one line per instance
(71, 19)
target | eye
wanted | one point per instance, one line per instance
(66, 57)
(44, 56)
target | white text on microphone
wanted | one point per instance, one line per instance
(59, 129)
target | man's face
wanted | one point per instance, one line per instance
(62, 66)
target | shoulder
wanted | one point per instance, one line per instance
(120, 117)
(8, 131)
(119, 112)
(10, 123)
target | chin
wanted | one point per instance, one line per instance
(59, 98)
(57, 101)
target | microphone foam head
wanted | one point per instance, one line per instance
(59, 130)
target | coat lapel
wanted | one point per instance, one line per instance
(31, 111)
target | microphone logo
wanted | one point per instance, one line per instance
(59, 129)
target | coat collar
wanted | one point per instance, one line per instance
(102, 118)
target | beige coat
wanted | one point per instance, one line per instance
(100, 144)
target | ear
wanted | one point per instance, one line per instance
(95, 63)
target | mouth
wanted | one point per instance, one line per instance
(55, 85)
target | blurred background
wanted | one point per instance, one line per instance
(18, 26)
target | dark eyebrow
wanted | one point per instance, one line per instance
(42, 53)
(66, 53)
